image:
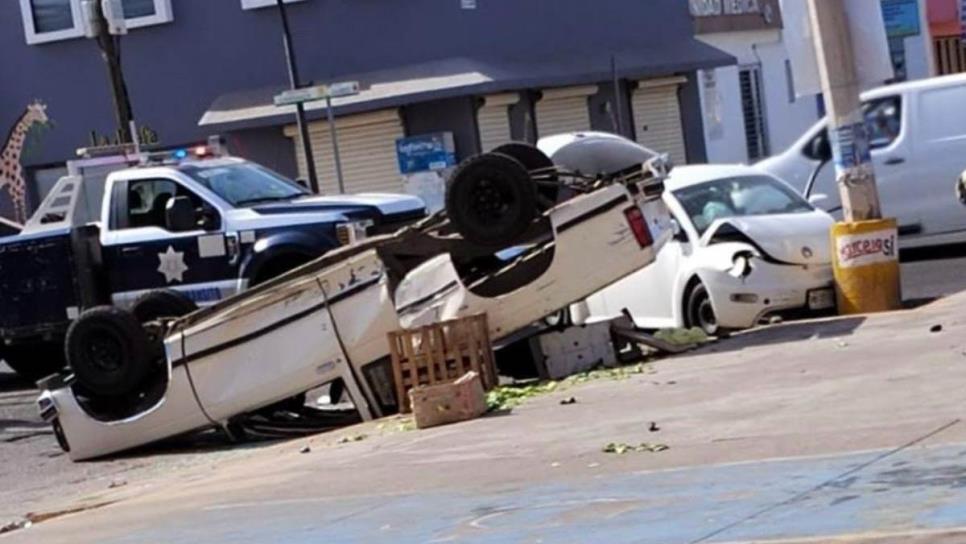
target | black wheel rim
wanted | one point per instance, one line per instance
(489, 201)
(105, 352)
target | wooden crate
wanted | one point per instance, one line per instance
(441, 353)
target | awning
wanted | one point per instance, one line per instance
(463, 76)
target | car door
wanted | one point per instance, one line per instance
(939, 158)
(142, 253)
(891, 151)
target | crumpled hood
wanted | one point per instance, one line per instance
(361, 205)
(799, 238)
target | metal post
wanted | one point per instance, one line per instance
(618, 95)
(335, 144)
(110, 51)
(847, 131)
(293, 75)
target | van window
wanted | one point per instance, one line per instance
(943, 114)
(883, 120)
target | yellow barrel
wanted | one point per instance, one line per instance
(865, 260)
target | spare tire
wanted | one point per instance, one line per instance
(535, 161)
(163, 303)
(108, 350)
(491, 200)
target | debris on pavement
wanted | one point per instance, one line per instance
(15, 526)
(568, 401)
(117, 483)
(352, 438)
(507, 397)
(843, 344)
(936, 328)
(305, 449)
(643, 447)
(682, 337)
(654, 428)
(441, 404)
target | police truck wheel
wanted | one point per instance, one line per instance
(108, 350)
(34, 361)
(163, 303)
(537, 163)
(491, 200)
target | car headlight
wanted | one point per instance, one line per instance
(741, 264)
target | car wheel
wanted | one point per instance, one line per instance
(34, 361)
(163, 303)
(491, 200)
(699, 312)
(534, 160)
(108, 350)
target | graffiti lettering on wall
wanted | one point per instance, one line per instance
(11, 171)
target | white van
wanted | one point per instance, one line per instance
(918, 136)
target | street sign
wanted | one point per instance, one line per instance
(901, 17)
(318, 92)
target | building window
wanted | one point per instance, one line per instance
(55, 20)
(753, 110)
(254, 4)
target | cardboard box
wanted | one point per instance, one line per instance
(461, 400)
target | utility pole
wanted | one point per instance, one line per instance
(865, 253)
(847, 131)
(109, 44)
(295, 82)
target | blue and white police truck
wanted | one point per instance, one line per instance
(153, 232)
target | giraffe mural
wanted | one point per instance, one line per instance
(11, 171)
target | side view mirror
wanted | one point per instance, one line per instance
(820, 149)
(179, 215)
(817, 198)
(678, 232)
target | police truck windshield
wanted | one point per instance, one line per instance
(245, 184)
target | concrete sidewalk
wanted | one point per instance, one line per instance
(802, 432)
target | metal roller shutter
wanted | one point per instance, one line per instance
(367, 147)
(657, 117)
(564, 110)
(493, 120)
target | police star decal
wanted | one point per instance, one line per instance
(172, 265)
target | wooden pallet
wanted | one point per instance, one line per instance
(441, 353)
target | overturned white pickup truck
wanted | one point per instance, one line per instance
(329, 319)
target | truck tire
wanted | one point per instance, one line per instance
(108, 350)
(34, 361)
(491, 200)
(537, 161)
(162, 303)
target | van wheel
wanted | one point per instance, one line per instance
(108, 350)
(163, 303)
(34, 361)
(491, 200)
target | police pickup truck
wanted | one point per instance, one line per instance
(163, 228)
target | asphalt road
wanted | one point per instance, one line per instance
(32, 466)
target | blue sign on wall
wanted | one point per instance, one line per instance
(426, 152)
(901, 17)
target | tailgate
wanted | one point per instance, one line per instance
(37, 288)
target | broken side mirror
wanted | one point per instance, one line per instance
(179, 215)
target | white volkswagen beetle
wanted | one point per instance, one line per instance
(746, 247)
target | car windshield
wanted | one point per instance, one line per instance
(736, 197)
(245, 183)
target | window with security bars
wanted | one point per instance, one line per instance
(753, 110)
(950, 55)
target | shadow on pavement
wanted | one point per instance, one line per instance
(785, 333)
(10, 381)
(950, 251)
